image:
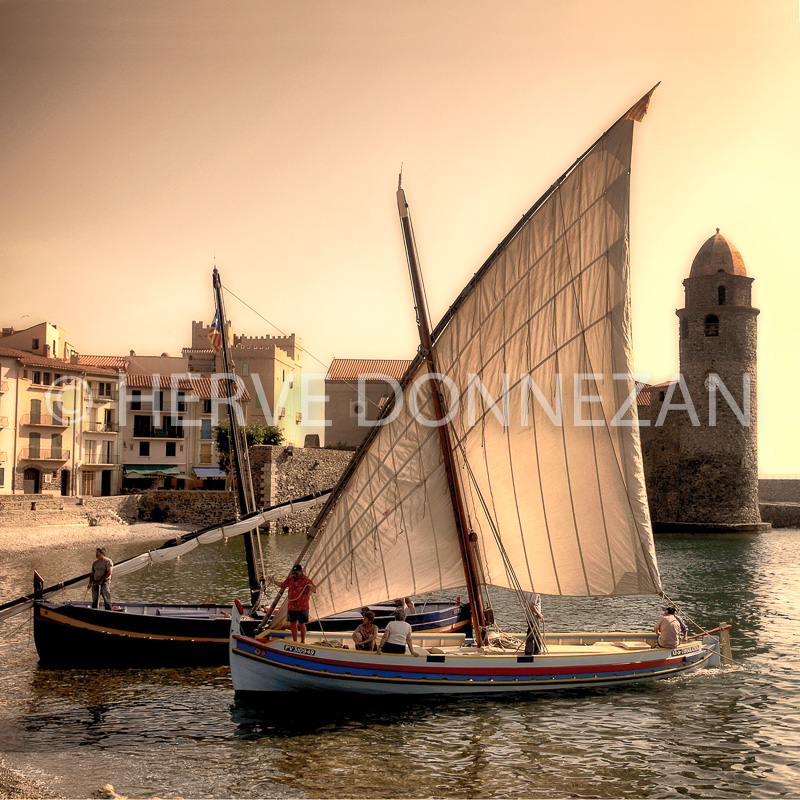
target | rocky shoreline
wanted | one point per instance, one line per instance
(15, 785)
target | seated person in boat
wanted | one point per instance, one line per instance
(397, 635)
(407, 603)
(299, 588)
(669, 629)
(366, 634)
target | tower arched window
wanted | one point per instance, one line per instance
(712, 325)
(684, 328)
(721, 296)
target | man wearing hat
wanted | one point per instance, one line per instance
(299, 588)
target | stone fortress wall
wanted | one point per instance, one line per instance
(279, 474)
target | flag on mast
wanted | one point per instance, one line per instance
(637, 111)
(215, 334)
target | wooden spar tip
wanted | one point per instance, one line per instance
(402, 203)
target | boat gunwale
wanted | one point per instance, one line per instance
(510, 679)
(279, 638)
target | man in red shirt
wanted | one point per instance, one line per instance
(299, 587)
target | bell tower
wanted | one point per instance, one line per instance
(718, 484)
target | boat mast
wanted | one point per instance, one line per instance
(465, 538)
(241, 461)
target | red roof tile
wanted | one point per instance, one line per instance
(114, 362)
(199, 387)
(644, 395)
(348, 369)
(61, 364)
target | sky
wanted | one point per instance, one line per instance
(143, 142)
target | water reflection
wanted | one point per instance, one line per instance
(717, 733)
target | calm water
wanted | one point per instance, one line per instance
(720, 733)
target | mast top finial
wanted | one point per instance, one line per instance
(400, 176)
(717, 230)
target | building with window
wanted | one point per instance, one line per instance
(356, 391)
(167, 421)
(43, 339)
(271, 370)
(57, 424)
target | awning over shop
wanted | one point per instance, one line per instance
(209, 472)
(151, 471)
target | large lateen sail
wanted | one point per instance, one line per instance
(536, 355)
(391, 531)
(549, 447)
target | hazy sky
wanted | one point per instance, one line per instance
(140, 141)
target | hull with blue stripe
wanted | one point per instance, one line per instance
(281, 665)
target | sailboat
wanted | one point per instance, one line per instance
(513, 461)
(73, 633)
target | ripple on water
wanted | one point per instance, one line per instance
(718, 733)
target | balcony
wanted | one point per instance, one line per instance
(100, 427)
(3, 457)
(44, 454)
(3, 422)
(98, 398)
(43, 420)
(3, 386)
(157, 433)
(100, 458)
(166, 433)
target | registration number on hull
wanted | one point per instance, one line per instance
(685, 651)
(293, 648)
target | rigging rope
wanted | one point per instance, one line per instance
(299, 347)
(512, 575)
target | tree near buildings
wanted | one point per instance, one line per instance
(255, 433)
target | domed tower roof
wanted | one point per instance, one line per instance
(717, 255)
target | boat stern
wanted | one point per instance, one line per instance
(711, 643)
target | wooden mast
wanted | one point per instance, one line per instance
(241, 461)
(426, 351)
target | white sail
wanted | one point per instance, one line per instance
(391, 532)
(565, 491)
(225, 530)
(559, 506)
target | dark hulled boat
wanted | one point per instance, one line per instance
(153, 634)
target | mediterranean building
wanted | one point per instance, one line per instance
(58, 432)
(167, 417)
(356, 391)
(43, 339)
(271, 370)
(96, 425)
(699, 433)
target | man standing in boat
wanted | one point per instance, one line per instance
(100, 579)
(299, 588)
(533, 640)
